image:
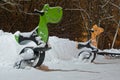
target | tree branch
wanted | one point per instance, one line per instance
(105, 4)
(115, 35)
(79, 10)
(17, 5)
(114, 5)
(6, 9)
(100, 20)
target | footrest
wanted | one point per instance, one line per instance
(42, 48)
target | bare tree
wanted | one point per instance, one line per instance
(15, 4)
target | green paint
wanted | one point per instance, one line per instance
(51, 15)
(17, 38)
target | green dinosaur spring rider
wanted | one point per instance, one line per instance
(47, 15)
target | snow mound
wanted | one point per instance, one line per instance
(62, 58)
(112, 50)
(62, 49)
(8, 50)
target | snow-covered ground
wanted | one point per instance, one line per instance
(62, 58)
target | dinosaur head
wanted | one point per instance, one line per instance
(52, 14)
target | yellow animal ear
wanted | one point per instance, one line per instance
(95, 26)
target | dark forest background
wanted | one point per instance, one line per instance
(79, 16)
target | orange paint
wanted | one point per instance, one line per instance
(97, 31)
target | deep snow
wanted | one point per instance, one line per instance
(62, 57)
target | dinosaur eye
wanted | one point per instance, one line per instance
(46, 9)
(59, 10)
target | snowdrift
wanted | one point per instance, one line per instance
(62, 49)
(62, 58)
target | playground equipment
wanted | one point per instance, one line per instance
(89, 50)
(96, 31)
(36, 54)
